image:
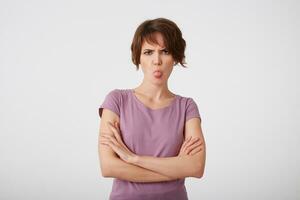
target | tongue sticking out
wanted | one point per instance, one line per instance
(157, 74)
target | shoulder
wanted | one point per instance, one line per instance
(114, 93)
(186, 100)
(113, 101)
(189, 106)
(117, 93)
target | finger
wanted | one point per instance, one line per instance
(116, 132)
(185, 142)
(188, 139)
(111, 139)
(103, 139)
(190, 149)
(192, 141)
(114, 147)
(104, 133)
(118, 150)
(194, 145)
(196, 150)
(116, 142)
(106, 142)
(117, 125)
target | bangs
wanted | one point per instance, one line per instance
(151, 39)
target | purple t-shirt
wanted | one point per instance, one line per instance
(150, 132)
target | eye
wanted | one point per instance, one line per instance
(147, 52)
(166, 51)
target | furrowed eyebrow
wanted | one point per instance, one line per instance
(152, 49)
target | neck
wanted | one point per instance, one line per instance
(153, 91)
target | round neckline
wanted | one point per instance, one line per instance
(151, 109)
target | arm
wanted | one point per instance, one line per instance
(112, 166)
(175, 167)
(180, 166)
(125, 171)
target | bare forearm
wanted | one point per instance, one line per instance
(176, 167)
(125, 171)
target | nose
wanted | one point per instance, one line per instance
(157, 59)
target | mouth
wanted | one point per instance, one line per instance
(157, 74)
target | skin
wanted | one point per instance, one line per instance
(189, 147)
(154, 93)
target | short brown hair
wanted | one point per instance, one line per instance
(172, 37)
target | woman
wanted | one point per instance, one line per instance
(150, 138)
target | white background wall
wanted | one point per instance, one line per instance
(60, 58)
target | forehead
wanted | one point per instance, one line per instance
(155, 40)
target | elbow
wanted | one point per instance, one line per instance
(105, 174)
(198, 172)
(106, 171)
(199, 167)
(108, 167)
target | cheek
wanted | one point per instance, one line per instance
(169, 70)
(145, 64)
(145, 68)
(170, 60)
(169, 65)
(144, 59)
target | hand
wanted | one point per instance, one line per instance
(190, 146)
(116, 143)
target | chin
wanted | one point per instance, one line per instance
(158, 82)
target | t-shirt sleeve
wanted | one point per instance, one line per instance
(191, 110)
(111, 102)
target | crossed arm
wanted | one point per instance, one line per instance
(147, 168)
